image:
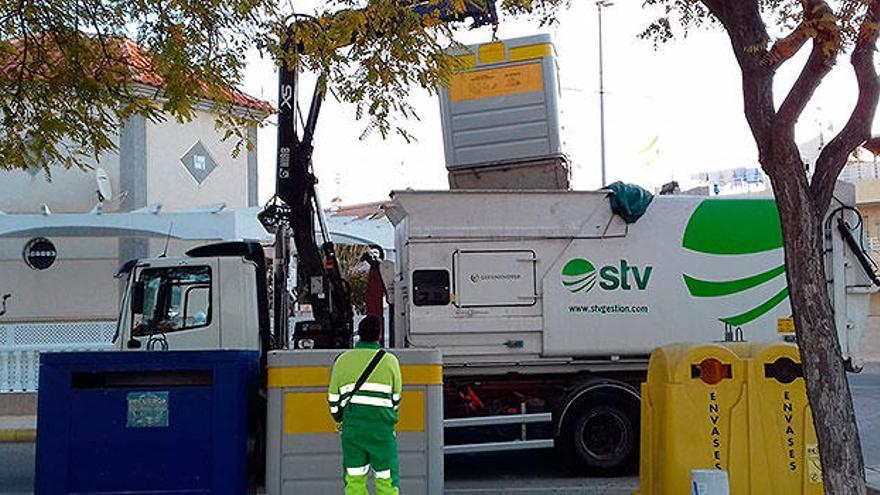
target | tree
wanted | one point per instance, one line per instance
(802, 201)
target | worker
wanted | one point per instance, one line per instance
(364, 398)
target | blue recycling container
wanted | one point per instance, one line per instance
(169, 422)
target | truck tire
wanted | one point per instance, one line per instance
(599, 434)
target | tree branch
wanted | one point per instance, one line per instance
(19, 100)
(818, 65)
(858, 128)
(716, 7)
(819, 20)
(786, 47)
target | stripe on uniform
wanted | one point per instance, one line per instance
(358, 471)
(367, 387)
(371, 401)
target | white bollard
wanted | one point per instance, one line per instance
(709, 482)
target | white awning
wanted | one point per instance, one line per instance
(360, 230)
(204, 224)
(195, 225)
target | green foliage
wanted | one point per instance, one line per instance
(371, 56)
(678, 17)
(675, 16)
(69, 77)
(68, 80)
(354, 272)
(545, 11)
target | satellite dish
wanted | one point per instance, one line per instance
(105, 190)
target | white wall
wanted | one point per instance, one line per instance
(78, 286)
(70, 191)
(149, 168)
(170, 183)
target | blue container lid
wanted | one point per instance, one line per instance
(147, 359)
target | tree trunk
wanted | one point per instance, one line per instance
(827, 388)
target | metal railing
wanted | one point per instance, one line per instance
(523, 443)
(22, 343)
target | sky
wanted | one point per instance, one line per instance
(687, 94)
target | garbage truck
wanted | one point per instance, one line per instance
(545, 304)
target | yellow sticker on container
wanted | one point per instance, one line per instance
(491, 53)
(530, 51)
(814, 465)
(785, 325)
(308, 413)
(500, 81)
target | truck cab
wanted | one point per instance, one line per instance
(213, 297)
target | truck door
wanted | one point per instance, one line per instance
(175, 307)
(494, 278)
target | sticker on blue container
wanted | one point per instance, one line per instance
(147, 410)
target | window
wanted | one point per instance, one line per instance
(430, 287)
(173, 299)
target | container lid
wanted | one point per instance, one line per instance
(104, 360)
(503, 51)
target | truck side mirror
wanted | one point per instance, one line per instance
(137, 298)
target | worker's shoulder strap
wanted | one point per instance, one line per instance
(368, 370)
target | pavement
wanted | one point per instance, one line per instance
(17, 468)
(872, 476)
(17, 449)
(526, 473)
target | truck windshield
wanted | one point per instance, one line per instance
(174, 299)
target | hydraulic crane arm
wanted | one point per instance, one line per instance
(296, 206)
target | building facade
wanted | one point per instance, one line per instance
(178, 165)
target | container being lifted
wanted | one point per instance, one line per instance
(500, 117)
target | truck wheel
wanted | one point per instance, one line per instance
(600, 435)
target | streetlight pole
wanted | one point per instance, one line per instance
(599, 5)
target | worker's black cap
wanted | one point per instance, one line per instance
(370, 328)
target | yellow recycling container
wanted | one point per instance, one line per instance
(739, 407)
(694, 416)
(784, 452)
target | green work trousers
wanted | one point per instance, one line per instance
(364, 447)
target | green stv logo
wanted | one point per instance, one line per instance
(579, 275)
(729, 228)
